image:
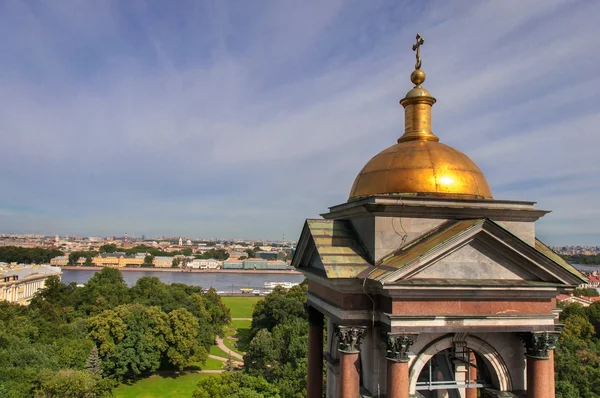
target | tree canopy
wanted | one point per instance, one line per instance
(27, 255)
(103, 332)
(577, 356)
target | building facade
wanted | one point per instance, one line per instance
(210, 263)
(429, 286)
(19, 285)
(117, 260)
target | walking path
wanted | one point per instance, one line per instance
(241, 319)
(223, 347)
(225, 360)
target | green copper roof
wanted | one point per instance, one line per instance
(338, 248)
(546, 251)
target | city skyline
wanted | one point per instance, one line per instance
(243, 121)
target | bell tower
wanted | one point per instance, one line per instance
(425, 285)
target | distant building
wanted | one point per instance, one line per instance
(118, 260)
(256, 264)
(18, 285)
(236, 254)
(233, 264)
(59, 261)
(210, 263)
(270, 255)
(162, 262)
(584, 301)
(593, 283)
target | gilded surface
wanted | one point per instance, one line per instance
(426, 168)
(419, 164)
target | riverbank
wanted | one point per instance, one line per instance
(187, 270)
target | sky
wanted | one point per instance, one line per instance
(240, 119)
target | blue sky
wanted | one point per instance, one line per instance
(243, 118)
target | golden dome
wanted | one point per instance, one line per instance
(418, 164)
(421, 168)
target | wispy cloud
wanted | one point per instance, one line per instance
(215, 118)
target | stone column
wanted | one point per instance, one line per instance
(314, 381)
(350, 338)
(398, 346)
(540, 363)
(472, 374)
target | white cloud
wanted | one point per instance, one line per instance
(211, 120)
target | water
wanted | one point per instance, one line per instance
(226, 282)
(582, 267)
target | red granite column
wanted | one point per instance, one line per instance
(350, 338)
(314, 382)
(540, 363)
(398, 346)
(397, 378)
(552, 392)
(472, 392)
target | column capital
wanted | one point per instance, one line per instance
(538, 344)
(398, 345)
(350, 337)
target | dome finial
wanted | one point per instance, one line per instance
(418, 76)
(417, 104)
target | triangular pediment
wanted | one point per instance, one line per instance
(473, 251)
(330, 248)
(474, 261)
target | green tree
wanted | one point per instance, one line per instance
(235, 385)
(280, 306)
(108, 248)
(93, 363)
(27, 255)
(71, 383)
(586, 292)
(131, 339)
(184, 347)
(149, 259)
(105, 290)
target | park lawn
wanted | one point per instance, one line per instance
(241, 331)
(215, 350)
(241, 307)
(161, 386)
(211, 364)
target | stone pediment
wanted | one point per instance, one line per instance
(331, 249)
(474, 252)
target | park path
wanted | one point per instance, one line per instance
(223, 347)
(224, 359)
(241, 319)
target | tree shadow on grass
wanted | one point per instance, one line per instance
(243, 338)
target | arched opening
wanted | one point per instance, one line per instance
(450, 372)
(448, 368)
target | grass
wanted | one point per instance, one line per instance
(161, 386)
(211, 364)
(214, 350)
(241, 307)
(240, 330)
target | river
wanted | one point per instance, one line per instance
(225, 282)
(583, 267)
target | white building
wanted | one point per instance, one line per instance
(210, 263)
(19, 284)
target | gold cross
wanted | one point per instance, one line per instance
(417, 47)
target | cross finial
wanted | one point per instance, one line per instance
(417, 47)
